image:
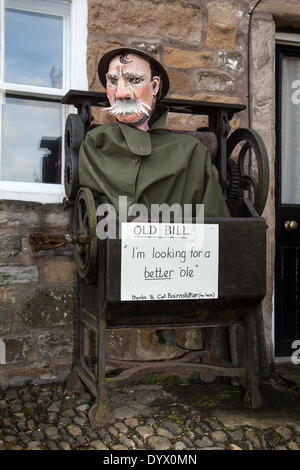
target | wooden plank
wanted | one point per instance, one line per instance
(242, 283)
(78, 97)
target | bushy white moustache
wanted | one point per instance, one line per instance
(128, 107)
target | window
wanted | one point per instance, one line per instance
(43, 47)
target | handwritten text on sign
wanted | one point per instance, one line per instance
(169, 261)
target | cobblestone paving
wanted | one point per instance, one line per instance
(38, 417)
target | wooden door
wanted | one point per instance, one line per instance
(287, 264)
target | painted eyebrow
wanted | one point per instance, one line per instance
(110, 75)
(126, 75)
(133, 75)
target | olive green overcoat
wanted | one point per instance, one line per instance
(152, 167)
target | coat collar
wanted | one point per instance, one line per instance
(139, 142)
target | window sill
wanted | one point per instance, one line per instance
(32, 192)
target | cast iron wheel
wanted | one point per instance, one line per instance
(252, 146)
(71, 178)
(85, 221)
(74, 133)
(234, 178)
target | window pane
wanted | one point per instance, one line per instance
(33, 48)
(290, 188)
(31, 141)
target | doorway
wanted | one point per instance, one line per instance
(287, 200)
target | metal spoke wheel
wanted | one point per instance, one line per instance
(84, 230)
(253, 165)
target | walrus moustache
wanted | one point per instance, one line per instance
(128, 107)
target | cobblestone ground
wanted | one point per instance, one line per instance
(38, 417)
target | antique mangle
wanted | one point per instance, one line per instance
(242, 163)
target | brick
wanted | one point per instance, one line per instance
(60, 271)
(10, 245)
(185, 59)
(18, 274)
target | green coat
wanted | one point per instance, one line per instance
(151, 167)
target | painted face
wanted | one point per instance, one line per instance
(131, 90)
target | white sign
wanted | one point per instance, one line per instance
(163, 261)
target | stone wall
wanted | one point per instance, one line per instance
(202, 44)
(36, 295)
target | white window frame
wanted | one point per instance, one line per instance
(290, 39)
(75, 77)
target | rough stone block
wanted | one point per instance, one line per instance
(180, 121)
(179, 81)
(190, 338)
(17, 213)
(10, 245)
(101, 116)
(95, 50)
(58, 218)
(8, 295)
(18, 349)
(225, 13)
(220, 37)
(119, 343)
(55, 344)
(231, 62)
(148, 346)
(209, 97)
(146, 19)
(6, 318)
(60, 271)
(48, 308)
(18, 274)
(185, 59)
(217, 98)
(214, 81)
